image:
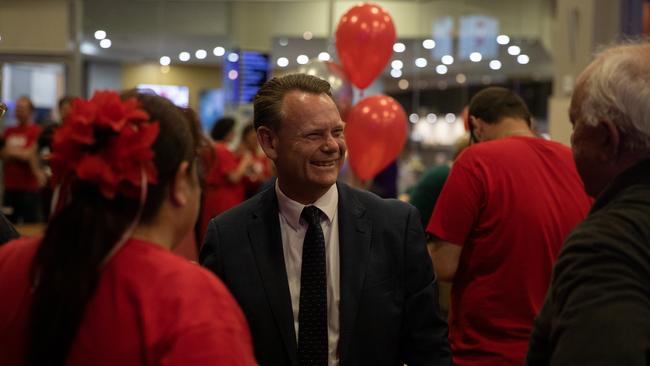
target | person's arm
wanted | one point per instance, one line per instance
(445, 257)
(7, 230)
(598, 307)
(209, 255)
(236, 175)
(424, 331)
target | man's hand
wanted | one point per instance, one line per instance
(445, 257)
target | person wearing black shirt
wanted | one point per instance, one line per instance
(597, 310)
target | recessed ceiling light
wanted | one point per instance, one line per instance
(429, 44)
(105, 43)
(503, 39)
(201, 54)
(184, 56)
(514, 50)
(447, 59)
(475, 56)
(441, 69)
(495, 64)
(283, 62)
(219, 51)
(100, 34)
(233, 57)
(399, 47)
(523, 59)
(302, 59)
(396, 73)
(421, 62)
(324, 56)
(165, 61)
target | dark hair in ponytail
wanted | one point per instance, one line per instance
(68, 263)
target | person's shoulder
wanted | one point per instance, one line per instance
(160, 268)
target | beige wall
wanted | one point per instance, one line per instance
(35, 27)
(197, 78)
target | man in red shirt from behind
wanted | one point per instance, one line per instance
(497, 229)
(22, 174)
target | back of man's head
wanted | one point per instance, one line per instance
(267, 105)
(495, 103)
(616, 88)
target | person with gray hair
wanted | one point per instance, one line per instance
(597, 310)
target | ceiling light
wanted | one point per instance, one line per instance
(219, 51)
(396, 73)
(503, 39)
(307, 35)
(403, 84)
(233, 57)
(105, 43)
(324, 56)
(514, 50)
(302, 59)
(233, 74)
(283, 42)
(283, 62)
(399, 47)
(201, 54)
(397, 64)
(100, 34)
(495, 64)
(184, 56)
(432, 118)
(475, 56)
(450, 118)
(421, 62)
(447, 59)
(414, 118)
(165, 61)
(523, 59)
(461, 78)
(429, 44)
(441, 69)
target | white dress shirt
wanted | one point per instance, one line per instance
(293, 230)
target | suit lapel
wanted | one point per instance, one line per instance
(266, 240)
(354, 248)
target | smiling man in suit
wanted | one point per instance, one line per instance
(326, 274)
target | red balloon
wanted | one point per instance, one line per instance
(364, 41)
(375, 134)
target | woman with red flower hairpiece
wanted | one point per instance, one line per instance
(101, 287)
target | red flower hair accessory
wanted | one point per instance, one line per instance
(106, 141)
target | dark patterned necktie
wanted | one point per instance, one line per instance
(312, 315)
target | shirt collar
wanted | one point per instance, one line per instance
(637, 174)
(291, 209)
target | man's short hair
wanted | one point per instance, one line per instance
(495, 103)
(267, 105)
(616, 88)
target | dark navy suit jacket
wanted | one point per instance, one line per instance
(389, 297)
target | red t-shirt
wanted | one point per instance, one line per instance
(220, 194)
(18, 174)
(151, 307)
(509, 203)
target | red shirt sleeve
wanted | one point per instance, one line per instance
(458, 207)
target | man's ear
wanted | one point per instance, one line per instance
(477, 127)
(609, 138)
(180, 189)
(268, 140)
